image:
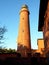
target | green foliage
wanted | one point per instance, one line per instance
(11, 50)
(4, 50)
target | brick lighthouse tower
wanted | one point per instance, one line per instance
(24, 42)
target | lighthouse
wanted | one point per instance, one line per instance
(24, 41)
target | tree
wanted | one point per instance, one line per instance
(2, 32)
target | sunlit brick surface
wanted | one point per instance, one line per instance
(24, 28)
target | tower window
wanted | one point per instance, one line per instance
(23, 18)
(22, 30)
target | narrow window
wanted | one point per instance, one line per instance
(23, 18)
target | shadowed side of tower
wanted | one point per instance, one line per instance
(24, 42)
(44, 24)
(46, 30)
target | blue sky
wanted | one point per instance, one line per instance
(9, 17)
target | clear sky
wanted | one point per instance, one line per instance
(9, 17)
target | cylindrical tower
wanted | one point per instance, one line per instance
(24, 42)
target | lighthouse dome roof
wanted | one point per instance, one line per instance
(25, 6)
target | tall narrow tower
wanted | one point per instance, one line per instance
(24, 42)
